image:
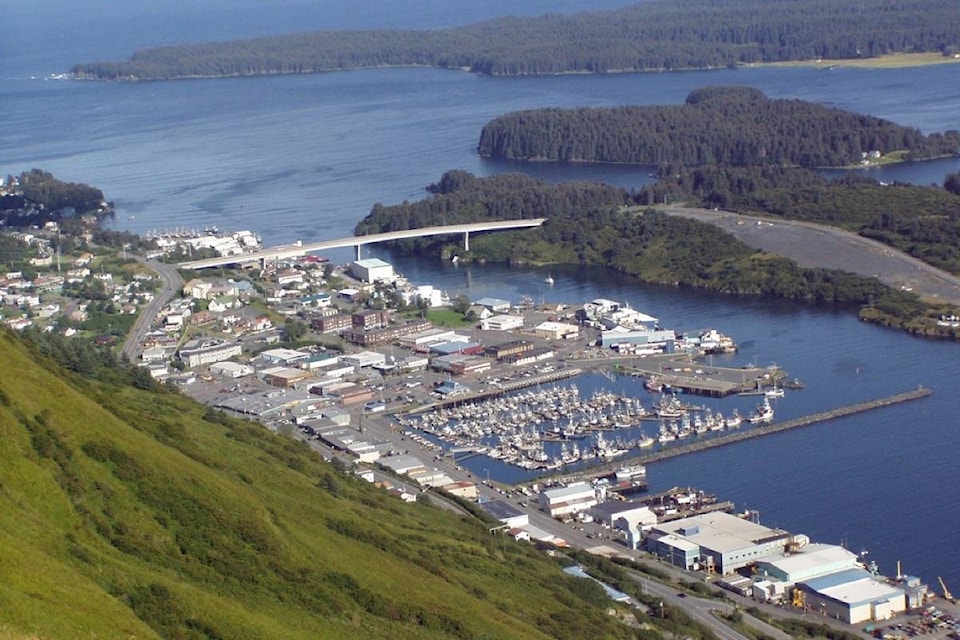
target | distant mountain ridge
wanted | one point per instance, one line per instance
(657, 35)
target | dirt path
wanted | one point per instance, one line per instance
(813, 245)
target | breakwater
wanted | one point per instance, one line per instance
(777, 427)
(757, 432)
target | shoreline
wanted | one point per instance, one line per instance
(889, 61)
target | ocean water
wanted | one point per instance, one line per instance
(305, 157)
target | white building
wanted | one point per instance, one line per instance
(853, 596)
(231, 370)
(716, 542)
(556, 330)
(372, 270)
(364, 359)
(564, 501)
(197, 353)
(502, 322)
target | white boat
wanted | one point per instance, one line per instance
(764, 413)
(733, 421)
(630, 472)
(549, 280)
(775, 392)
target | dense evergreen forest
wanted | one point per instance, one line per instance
(657, 35)
(37, 196)
(921, 221)
(588, 224)
(716, 125)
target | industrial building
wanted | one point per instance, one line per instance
(853, 596)
(372, 270)
(716, 542)
(556, 331)
(641, 341)
(502, 322)
(568, 500)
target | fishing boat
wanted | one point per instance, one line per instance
(764, 412)
(775, 392)
(733, 421)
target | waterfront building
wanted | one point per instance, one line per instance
(372, 270)
(716, 542)
(853, 596)
(568, 500)
(639, 341)
(495, 305)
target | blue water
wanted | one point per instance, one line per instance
(306, 157)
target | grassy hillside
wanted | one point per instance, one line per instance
(125, 513)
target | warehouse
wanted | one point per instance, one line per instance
(565, 501)
(502, 322)
(810, 561)
(853, 596)
(372, 270)
(726, 543)
(363, 359)
(557, 331)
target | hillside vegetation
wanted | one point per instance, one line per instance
(132, 513)
(657, 35)
(736, 126)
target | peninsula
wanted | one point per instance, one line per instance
(650, 36)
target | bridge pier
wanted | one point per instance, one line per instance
(466, 241)
(359, 246)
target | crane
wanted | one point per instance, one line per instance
(946, 592)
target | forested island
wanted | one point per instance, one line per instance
(594, 225)
(656, 35)
(716, 125)
(36, 196)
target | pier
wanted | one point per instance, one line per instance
(756, 432)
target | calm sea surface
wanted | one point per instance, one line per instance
(305, 157)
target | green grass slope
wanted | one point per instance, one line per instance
(127, 514)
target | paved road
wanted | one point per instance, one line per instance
(171, 283)
(813, 245)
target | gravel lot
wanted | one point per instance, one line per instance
(812, 245)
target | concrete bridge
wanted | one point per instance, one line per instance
(284, 252)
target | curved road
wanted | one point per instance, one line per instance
(814, 245)
(171, 283)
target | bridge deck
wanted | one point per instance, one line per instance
(290, 251)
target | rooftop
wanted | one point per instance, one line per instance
(722, 532)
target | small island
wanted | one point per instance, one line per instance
(734, 126)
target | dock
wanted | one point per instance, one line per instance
(755, 432)
(683, 373)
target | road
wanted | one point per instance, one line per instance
(591, 537)
(814, 245)
(171, 282)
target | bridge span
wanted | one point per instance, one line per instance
(284, 252)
